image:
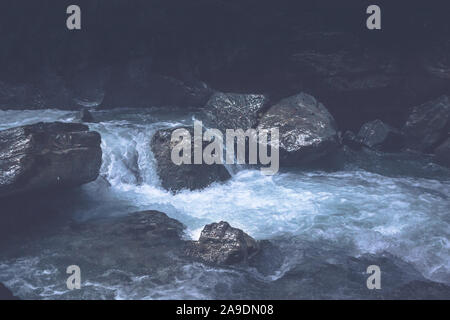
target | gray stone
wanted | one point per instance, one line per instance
(381, 136)
(307, 129)
(185, 176)
(222, 244)
(48, 155)
(235, 111)
(427, 124)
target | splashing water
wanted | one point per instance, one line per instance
(361, 212)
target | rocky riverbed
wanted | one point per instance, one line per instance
(86, 177)
(317, 230)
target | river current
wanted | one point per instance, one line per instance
(327, 226)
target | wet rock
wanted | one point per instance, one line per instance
(307, 129)
(152, 226)
(222, 244)
(42, 156)
(443, 153)
(351, 140)
(381, 136)
(6, 294)
(185, 176)
(428, 124)
(235, 111)
(143, 243)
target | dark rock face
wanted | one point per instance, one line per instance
(48, 155)
(46, 91)
(235, 111)
(307, 129)
(185, 176)
(443, 153)
(316, 48)
(50, 89)
(276, 48)
(428, 124)
(6, 294)
(351, 140)
(381, 136)
(222, 244)
(137, 86)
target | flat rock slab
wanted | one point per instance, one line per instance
(48, 155)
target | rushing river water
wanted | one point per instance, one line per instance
(327, 226)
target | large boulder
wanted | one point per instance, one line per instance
(307, 130)
(184, 176)
(221, 244)
(381, 136)
(235, 111)
(428, 124)
(48, 155)
(6, 294)
(443, 153)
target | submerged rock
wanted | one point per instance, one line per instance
(428, 124)
(307, 129)
(152, 226)
(48, 155)
(443, 153)
(222, 244)
(6, 294)
(145, 243)
(86, 116)
(381, 136)
(235, 111)
(185, 176)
